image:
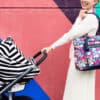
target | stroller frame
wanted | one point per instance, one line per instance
(10, 85)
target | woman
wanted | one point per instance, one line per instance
(79, 85)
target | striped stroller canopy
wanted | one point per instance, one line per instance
(13, 62)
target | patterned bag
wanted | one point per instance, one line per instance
(87, 53)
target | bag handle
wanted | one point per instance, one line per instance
(86, 44)
(86, 48)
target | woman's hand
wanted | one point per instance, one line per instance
(47, 49)
(83, 13)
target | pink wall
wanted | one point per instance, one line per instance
(28, 3)
(34, 29)
(37, 27)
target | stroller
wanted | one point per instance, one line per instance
(15, 68)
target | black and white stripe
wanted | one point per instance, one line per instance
(13, 62)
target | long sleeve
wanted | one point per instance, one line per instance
(77, 21)
(80, 28)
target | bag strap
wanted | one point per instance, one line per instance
(98, 31)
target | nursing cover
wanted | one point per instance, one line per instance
(13, 62)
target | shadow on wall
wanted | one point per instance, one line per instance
(69, 7)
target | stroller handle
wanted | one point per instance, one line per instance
(44, 56)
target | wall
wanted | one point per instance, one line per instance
(35, 24)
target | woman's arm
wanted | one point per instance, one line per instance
(86, 25)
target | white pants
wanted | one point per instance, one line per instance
(79, 85)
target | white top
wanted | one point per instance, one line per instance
(88, 25)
